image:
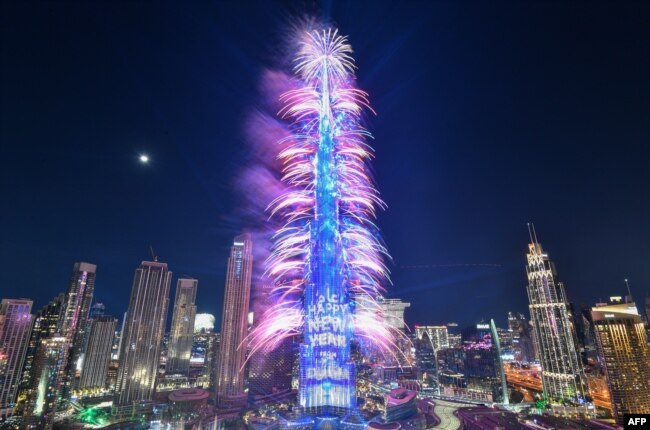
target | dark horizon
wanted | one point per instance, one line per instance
(490, 116)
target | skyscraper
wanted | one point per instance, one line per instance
(521, 337)
(15, 328)
(142, 335)
(394, 311)
(46, 384)
(180, 337)
(624, 350)
(75, 323)
(562, 373)
(98, 353)
(46, 323)
(234, 323)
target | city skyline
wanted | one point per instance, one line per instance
(553, 97)
(372, 168)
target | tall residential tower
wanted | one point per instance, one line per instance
(75, 323)
(623, 348)
(144, 327)
(15, 328)
(181, 335)
(234, 324)
(98, 353)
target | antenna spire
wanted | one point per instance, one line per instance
(532, 233)
(153, 254)
(629, 293)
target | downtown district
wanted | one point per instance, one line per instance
(71, 365)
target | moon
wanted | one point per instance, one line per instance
(144, 159)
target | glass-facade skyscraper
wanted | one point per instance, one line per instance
(144, 327)
(181, 334)
(234, 324)
(623, 348)
(74, 323)
(562, 372)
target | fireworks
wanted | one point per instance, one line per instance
(326, 263)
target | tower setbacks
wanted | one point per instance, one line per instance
(562, 372)
(234, 324)
(142, 335)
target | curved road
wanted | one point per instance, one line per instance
(445, 411)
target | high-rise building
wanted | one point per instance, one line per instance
(623, 348)
(142, 335)
(46, 383)
(562, 373)
(393, 310)
(234, 323)
(179, 351)
(45, 325)
(15, 328)
(75, 322)
(98, 353)
(521, 337)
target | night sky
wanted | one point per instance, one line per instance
(490, 115)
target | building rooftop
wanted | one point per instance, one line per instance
(188, 395)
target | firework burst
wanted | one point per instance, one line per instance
(328, 247)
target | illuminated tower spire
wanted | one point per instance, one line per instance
(562, 373)
(327, 259)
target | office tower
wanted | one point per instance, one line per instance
(46, 384)
(98, 353)
(623, 348)
(393, 310)
(15, 329)
(142, 335)
(562, 373)
(180, 337)
(521, 337)
(75, 323)
(234, 323)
